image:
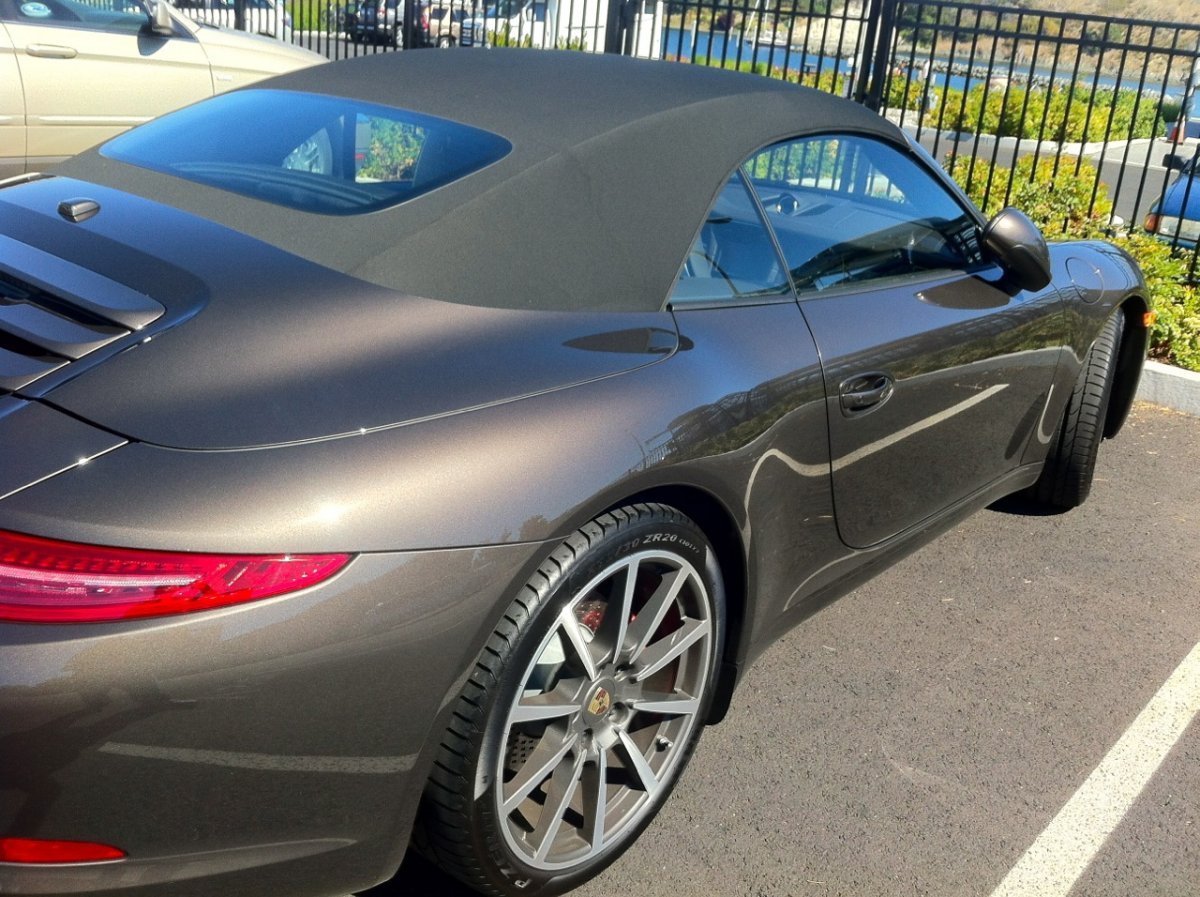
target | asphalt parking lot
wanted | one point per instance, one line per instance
(921, 736)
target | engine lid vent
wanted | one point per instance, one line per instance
(53, 312)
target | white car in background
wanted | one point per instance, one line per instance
(75, 72)
(266, 17)
(507, 23)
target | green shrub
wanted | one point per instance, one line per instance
(1175, 336)
(1062, 204)
(1063, 196)
(505, 37)
(311, 15)
(1062, 114)
(827, 82)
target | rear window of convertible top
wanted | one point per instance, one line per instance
(322, 154)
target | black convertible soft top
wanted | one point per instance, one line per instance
(614, 163)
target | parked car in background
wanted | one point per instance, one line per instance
(1187, 125)
(445, 25)
(266, 17)
(508, 23)
(76, 72)
(1175, 216)
(374, 456)
(382, 21)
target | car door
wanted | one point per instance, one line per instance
(12, 110)
(746, 348)
(92, 68)
(937, 371)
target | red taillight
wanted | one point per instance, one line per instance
(1152, 223)
(38, 850)
(45, 581)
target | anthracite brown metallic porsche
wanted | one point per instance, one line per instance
(419, 448)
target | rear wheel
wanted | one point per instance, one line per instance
(1066, 478)
(582, 710)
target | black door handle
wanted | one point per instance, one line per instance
(864, 392)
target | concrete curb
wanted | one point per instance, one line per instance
(1171, 387)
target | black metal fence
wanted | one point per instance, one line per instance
(1101, 110)
(1078, 104)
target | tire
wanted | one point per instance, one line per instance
(445, 41)
(1067, 475)
(561, 750)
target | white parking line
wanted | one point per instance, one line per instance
(1054, 862)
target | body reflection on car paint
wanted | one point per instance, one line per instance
(376, 480)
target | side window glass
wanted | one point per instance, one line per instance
(116, 16)
(847, 209)
(732, 257)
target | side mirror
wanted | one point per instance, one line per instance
(161, 23)
(1015, 242)
(1173, 162)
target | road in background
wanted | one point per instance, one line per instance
(919, 735)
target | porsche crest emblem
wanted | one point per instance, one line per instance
(601, 703)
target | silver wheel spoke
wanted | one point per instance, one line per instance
(595, 800)
(669, 704)
(637, 764)
(574, 631)
(650, 617)
(611, 634)
(563, 783)
(666, 649)
(552, 705)
(544, 759)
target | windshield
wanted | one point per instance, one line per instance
(328, 155)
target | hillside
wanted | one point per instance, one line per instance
(1157, 10)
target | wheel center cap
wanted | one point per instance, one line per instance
(601, 701)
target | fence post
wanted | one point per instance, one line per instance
(876, 53)
(407, 22)
(613, 39)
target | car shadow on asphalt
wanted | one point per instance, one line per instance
(417, 877)
(1023, 506)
